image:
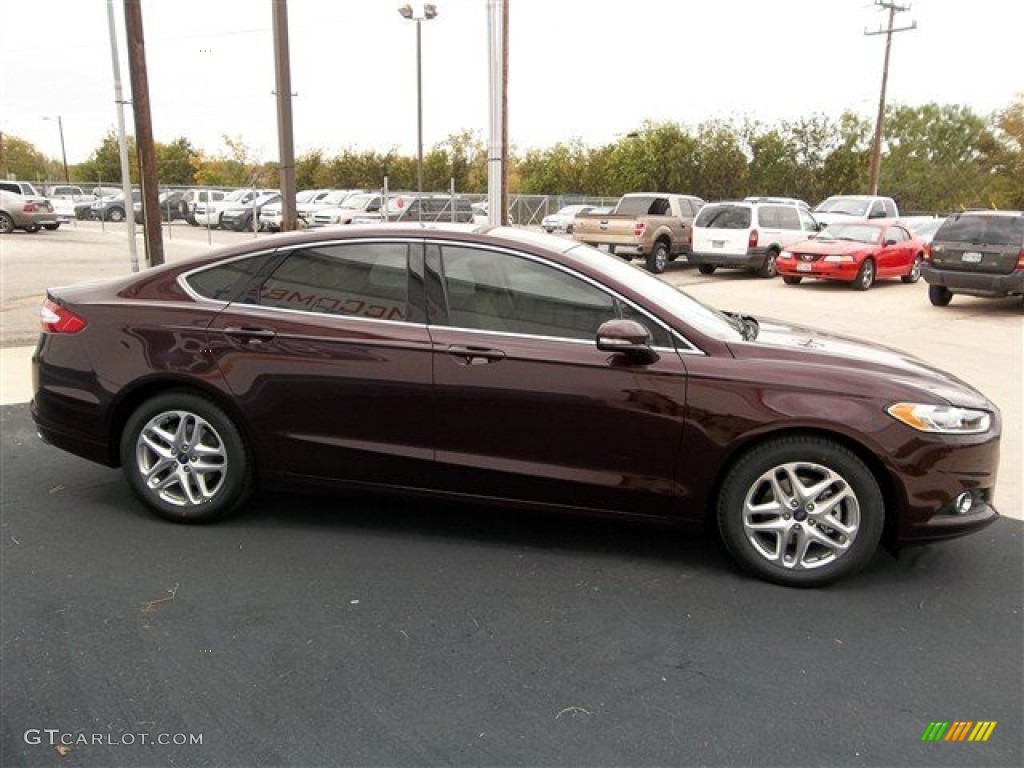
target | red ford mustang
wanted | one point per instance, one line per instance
(856, 252)
(510, 367)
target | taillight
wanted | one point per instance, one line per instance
(30, 208)
(1020, 259)
(928, 253)
(639, 228)
(752, 241)
(57, 319)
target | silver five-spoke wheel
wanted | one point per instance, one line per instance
(185, 457)
(801, 510)
(801, 515)
(182, 458)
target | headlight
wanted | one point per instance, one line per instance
(943, 419)
(843, 258)
(785, 255)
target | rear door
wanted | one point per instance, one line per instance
(722, 228)
(329, 358)
(527, 407)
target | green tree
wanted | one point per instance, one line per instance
(1004, 157)
(104, 164)
(21, 159)
(174, 162)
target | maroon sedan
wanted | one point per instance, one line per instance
(857, 253)
(510, 367)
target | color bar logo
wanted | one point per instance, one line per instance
(958, 730)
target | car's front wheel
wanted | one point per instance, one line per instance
(801, 511)
(792, 279)
(939, 295)
(115, 214)
(865, 276)
(6, 223)
(52, 227)
(185, 458)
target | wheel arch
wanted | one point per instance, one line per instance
(145, 390)
(890, 494)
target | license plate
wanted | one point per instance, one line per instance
(971, 257)
(804, 267)
(718, 243)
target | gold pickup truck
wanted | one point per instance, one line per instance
(655, 225)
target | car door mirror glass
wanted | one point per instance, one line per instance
(626, 337)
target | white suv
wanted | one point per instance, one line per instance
(747, 234)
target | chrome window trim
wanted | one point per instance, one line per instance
(689, 349)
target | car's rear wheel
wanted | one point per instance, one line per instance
(865, 276)
(915, 271)
(706, 269)
(32, 228)
(185, 458)
(801, 511)
(769, 268)
(939, 295)
(657, 258)
(6, 223)
(792, 279)
(51, 227)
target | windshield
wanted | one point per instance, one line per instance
(849, 206)
(337, 197)
(859, 233)
(687, 309)
(358, 202)
(306, 195)
(238, 194)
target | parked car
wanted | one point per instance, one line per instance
(770, 199)
(747, 234)
(857, 253)
(83, 208)
(64, 198)
(208, 214)
(978, 253)
(49, 219)
(172, 206)
(923, 227)
(513, 367)
(194, 197)
(415, 207)
(562, 220)
(342, 205)
(853, 207)
(112, 208)
(307, 203)
(20, 212)
(653, 225)
(243, 216)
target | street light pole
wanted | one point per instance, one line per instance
(63, 153)
(429, 12)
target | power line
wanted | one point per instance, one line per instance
(889, 31)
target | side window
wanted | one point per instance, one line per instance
(877, 210)
(768, 216)
(225, 282)
(898, 234)
(358, 279)
(501, 292)
(807, 222)
(788, 218)
(890, 208)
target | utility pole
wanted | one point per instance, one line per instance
(143, 133)
(122, 140)
(285, 140)
(876, 147)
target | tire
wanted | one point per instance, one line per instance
(657, 258)
(801, 539)
(915, 271)
(769, 268)
(216, 474)
(6, 223)
(52, 227)
(32, 228)
(865, 276)
(611, 250)
(939, 295)
(792, 279)
(706, 269)
(115, 214)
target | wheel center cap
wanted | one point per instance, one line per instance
(800, 515)
(183, 458)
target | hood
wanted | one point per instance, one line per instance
(842, 363)
(827, 246)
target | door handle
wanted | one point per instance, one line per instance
(250, 335)
(476, 355)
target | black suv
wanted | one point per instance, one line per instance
(980, 253)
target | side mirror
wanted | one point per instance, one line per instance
(626, 337)
(890, 242)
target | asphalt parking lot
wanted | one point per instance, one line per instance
(353, 630)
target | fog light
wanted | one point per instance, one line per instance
(963, 503)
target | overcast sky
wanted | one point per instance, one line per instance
(589, 69)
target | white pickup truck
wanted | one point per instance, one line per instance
(854, 207)
(654, 225)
